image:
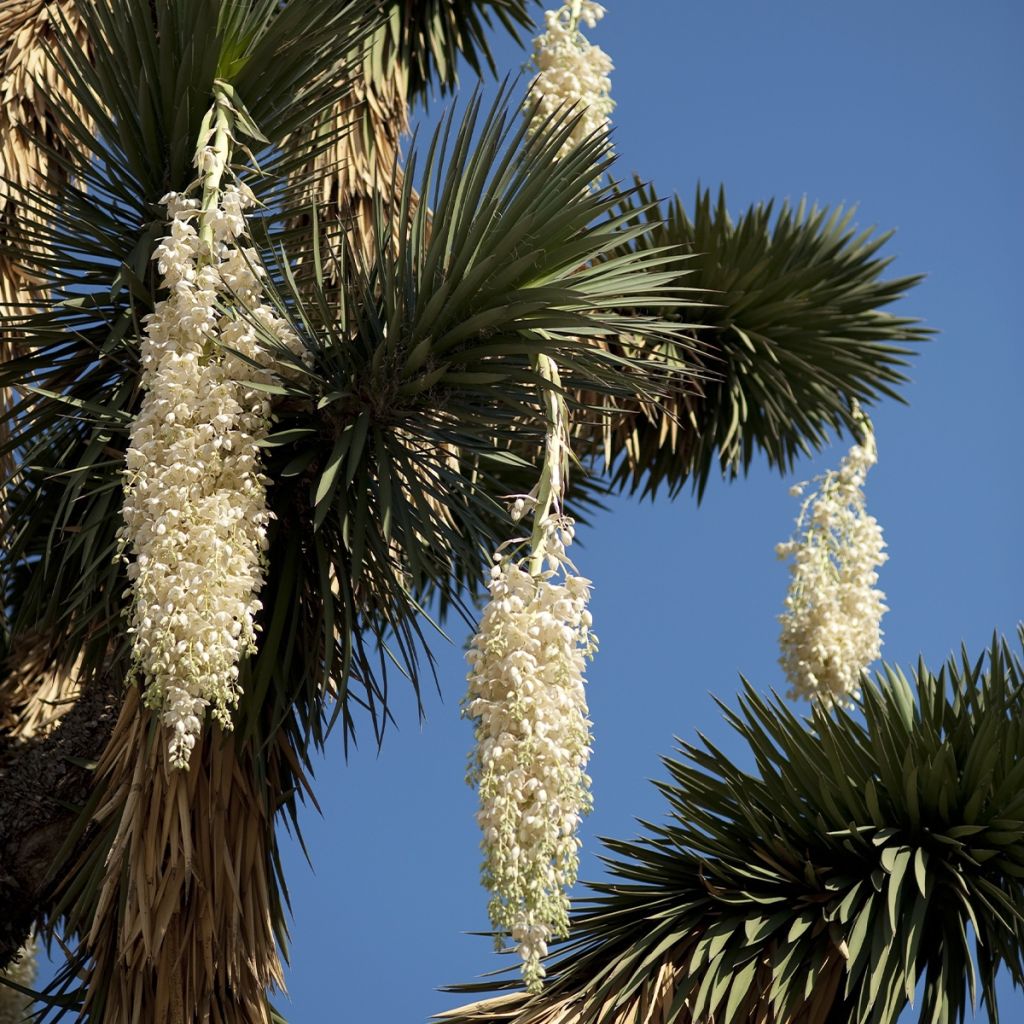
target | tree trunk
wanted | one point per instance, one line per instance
(43, 781)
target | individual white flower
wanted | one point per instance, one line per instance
(831, 629)
(195, 510)
(526, 698)
(210, 162)
(570, 72)
(521, 504)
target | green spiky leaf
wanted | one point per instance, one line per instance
(863, 910)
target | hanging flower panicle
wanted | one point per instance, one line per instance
(195, 509)
(526, 697)
(527, 700)
(571, 72)
(831, 627)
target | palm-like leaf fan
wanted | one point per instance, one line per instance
(417, 407)
(792, 329)
(860, 856)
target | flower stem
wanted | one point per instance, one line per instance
(551, 488)
(212, 160)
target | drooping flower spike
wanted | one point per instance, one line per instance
(526, 697)
(831, 629)
(528, 703)
(526, 693)
(195, 509)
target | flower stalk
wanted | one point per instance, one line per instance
(527, 698)
(212, 159)
(554, 469)
(195, 508)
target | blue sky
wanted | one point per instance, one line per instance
(910, 110)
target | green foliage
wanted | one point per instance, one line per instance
(423, 39)
(417, 411)
(862, 853)
(147, 80)
(792, 330)
(417, 406)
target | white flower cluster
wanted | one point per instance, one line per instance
(831, 627)
(526, 696)
(195, 510)
(571, 72)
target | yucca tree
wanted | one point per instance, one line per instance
(420, 298)
(860, 857)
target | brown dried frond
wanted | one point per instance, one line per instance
(183, 932)
(29, 85)
(31, 91)
(427, 471)
(359, 167)
(650, 1003)
(39, 687)
(14, 1006)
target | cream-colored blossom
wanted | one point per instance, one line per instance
(831, 628)
(195, 509)
(526, 698)
(570, 72)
